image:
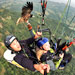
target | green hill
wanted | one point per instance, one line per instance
(53, 11)
(53, 8)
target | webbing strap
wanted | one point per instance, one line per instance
(63, 13)
(18, 65)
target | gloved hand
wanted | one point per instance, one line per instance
(29, 26)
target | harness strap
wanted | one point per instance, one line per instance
(18, 65)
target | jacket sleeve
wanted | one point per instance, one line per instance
(27, 63)
(28, 41)
(24, 62)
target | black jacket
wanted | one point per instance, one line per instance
(21, 57)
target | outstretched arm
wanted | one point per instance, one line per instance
(41, 68)
(32, 39)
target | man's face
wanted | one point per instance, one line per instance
(15, 45)
(46, 46)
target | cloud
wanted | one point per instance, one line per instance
(64, 1)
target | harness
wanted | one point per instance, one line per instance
(18, 65)
(51, 58)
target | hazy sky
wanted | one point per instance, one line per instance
(65, 1)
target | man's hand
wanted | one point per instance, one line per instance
(61, 55)
(67, 50)
(37, 35)
(42, 67)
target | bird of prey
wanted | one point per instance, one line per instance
(26, 13)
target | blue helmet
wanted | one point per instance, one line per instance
(42, 41)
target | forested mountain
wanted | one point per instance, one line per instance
(54, 10)
(10, 12)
